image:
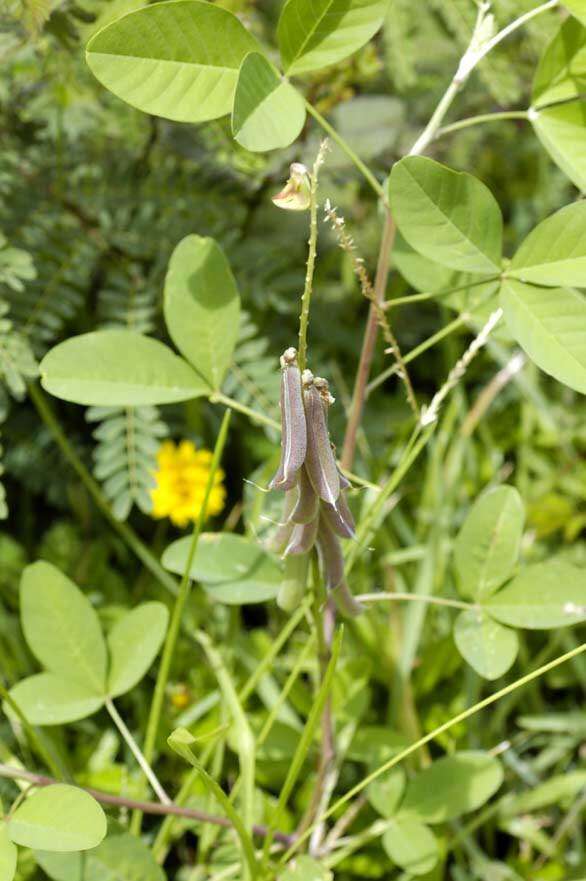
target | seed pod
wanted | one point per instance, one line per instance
(330, 554)
(293, 428)
(302, 538)
(319, 460)
(307, 505)
(294, 582)
(340, 518)
(345, 601)
(280, 538)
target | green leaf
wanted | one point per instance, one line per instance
(61, 627)
(178, 60)
(7, 855)
(202, 307)
(316, 33)
(448, 216)
(385, 793)
(561, 73)
(304, 868)
(411, 845)
(550, 325)
(268, 112)
(489, 648)
(487, 547)
(231, 568)
(452, 786)
(562, 131)
(47, 699)
(554, 253)
(58, 818)
(543, 597)
(133, 644)
(577, 8)
(120, 857)
(560, 789)
(118, 368)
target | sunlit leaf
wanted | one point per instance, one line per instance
(411, 845)
(550, 324)
(118, 368)
(47, 699)
(562, 131)
(268, 111)
(577, 8)
(62, 628)
(561, 73)
(488, 647)
(7, 855)
(385, 793)
(304, 868)
(448, 216)
(202, 307)
(554, 253)
(316, 33)
(452, 786)
(178, 60)
(58, 818)
(487, 546)
(133, 644)
(542, 597)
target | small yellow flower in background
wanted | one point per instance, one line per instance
(181, 481)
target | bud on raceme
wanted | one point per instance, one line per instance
(296, 194)
(315, 513)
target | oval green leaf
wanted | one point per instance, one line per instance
(62, 628)
(385, 793)
(304, 868)
(58, 818)
(487, 646)
(487, 546)
(133, 644)
(550, 325)
(316, 33)
(118, 368)
(178, 59)
(543, 597)
(554, 253)
(7, 855)
(231, 568)
(577, 8)
(268, 111)
(452, 786)
(561, 73)
(562, 131)
(120, 857)
(411, 845)
(202, 307)
(448, 216)
(47, 699)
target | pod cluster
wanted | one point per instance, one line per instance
(316, 513)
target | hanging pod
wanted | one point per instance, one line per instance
(340, 518)
(319, 461)
(302, 538)
(280, 538)
(293, 427)
(294, 582)
(307, 505)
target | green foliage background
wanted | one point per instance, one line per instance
(94, 196)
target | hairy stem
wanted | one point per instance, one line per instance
(311, 255)
(136, 752)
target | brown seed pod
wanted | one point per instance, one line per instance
(307, 505)
(293, 427)
(340, 518)
(330, 554)
(346, 603)
(303, 538)
(280, 538)
(319, 460)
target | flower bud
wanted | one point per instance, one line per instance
(293, 427)
(319, 460)
(296, 195)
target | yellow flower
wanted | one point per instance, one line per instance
(181, 481)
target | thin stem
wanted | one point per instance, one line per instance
(146, 807)
(519, 22)
(413, 597)
(180, 602)
(437, 295)
(135, 750)
(254, 415)
(354, 158)
(34, 739)
(311, 255)
(478, 120)
(124, 531)
(455, 720)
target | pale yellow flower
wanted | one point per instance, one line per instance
(181, 481)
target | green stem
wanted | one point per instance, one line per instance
(413, 597)
(437, 295)
(136, 752)
(175, 623)
(352, 156)
(311, 255)
(478, 120)
(124, 531)
(253, 415)
(33, 737)
(455, 720)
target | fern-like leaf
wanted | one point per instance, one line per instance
(254, 377)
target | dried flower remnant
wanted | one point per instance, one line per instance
(296, 194)
(316, 513)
